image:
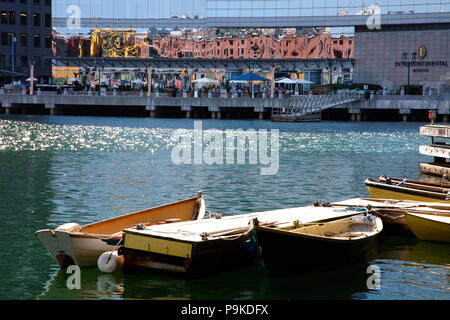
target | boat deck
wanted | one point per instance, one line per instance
(203, 230)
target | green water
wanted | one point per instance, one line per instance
(55, 170)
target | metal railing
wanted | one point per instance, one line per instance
(309, 108)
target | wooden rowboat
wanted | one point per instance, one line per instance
(430, 227)
(390, 188)
(298, 248)
(208, 246)
(72, 244)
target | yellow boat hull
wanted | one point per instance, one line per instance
(379, 193)
(429, 227)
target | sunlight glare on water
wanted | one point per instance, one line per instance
(56, 170)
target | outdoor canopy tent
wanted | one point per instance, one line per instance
(294, 82)
(286, 81)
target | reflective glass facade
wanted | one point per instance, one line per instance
(147, 9)
(292, 8)
(131, 9)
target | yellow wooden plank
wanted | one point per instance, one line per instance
(162, 246)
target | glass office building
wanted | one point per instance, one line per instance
(293, 8)
(147, 9)
(309, 29)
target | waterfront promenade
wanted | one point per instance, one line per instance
(342, 106)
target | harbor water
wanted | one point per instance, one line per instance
(55, 170)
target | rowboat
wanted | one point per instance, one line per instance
(72, 244)
(298, 248)
(390, 188)
(430, 227)
(208, 246)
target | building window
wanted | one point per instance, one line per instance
(23, 18)
(48, 20)
(36, 2)
(23, 1)
(23, 40)
(37, 19)
(37, 41)
(12, 17)
(4, 17)
(48, 42)
(24, 61)
(4, 39)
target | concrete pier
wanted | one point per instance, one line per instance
(386, 108)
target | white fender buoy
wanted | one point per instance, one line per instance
(110, 262)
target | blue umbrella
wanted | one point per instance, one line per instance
(249, 77)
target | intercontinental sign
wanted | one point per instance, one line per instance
(433, 63)
(421, 54)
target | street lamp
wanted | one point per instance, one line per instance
(330, 64)
(251, 77)
(409, 63)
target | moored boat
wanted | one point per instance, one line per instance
(298, 248)
(430, 227)
(72, 244)
(218, 244)
(390, 188)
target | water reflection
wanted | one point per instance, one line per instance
(410, 269)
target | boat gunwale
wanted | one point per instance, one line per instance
(374, 233)
(425, 183)
(426, 216)
(138, 212)
(430, 194)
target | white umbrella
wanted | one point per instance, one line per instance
(238, 81)
(286, 81)
(138, 81)
(205, 80)
(34, 79)
(301, 81)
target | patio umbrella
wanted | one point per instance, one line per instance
(34, 79)
(205, 80)
(286, 81)
(301, 81)
(249, 77)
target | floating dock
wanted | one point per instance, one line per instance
(440, 150)
(211, 245)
